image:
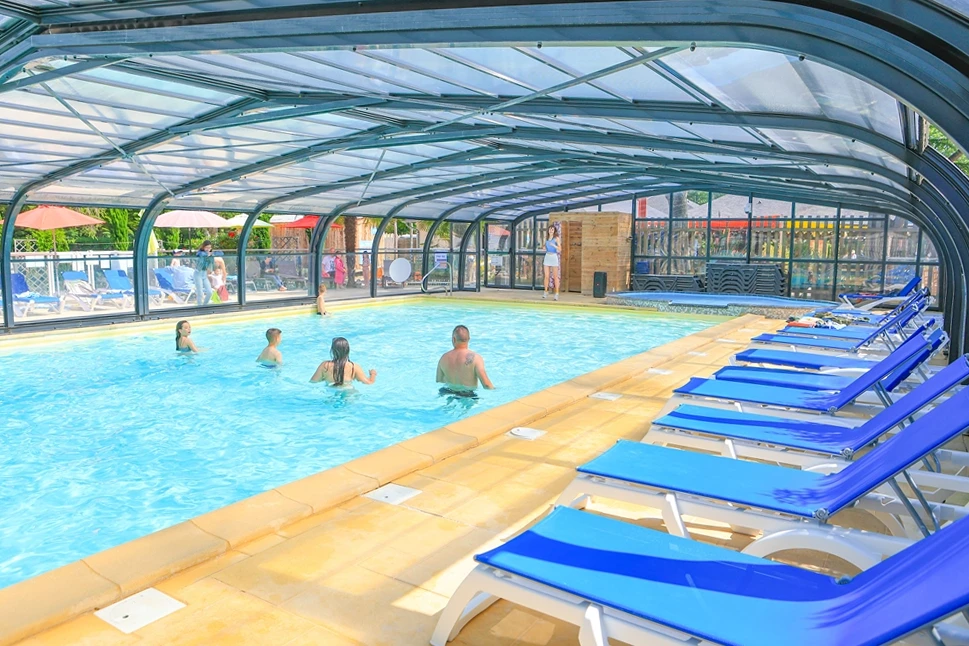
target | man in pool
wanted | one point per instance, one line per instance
(460, 369)
(271, 357)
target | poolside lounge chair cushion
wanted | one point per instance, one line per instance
(730, 598)
(800, 493)
(823, 401)
(801, 359)
(814, 436)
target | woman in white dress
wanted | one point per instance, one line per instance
(551, 265)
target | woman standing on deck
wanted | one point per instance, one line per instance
(551, 265)
(204, 268)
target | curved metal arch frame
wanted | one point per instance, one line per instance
(884, 72)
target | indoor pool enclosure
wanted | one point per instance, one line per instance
(449, 136)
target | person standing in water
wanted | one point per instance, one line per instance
(460, 369)
(321, 301)
(183, 341)
(270, 356)
(551, 265)
(339, 370)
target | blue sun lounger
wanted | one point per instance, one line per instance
(862, 334)
(618, 581)
(865, 317)
(776, 499)
(819, 341)
(822, 362)
(875, 300)
(812, 400)
(118, 280)
(822, 381)
(28, 299)
(817, 437)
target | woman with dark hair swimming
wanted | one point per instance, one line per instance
(335, 370)
(183, 341)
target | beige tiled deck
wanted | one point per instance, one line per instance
(369, 573)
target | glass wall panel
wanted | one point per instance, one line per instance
(400, 257)
(651, 266)
(929, 253)
(728, 238)
(812, 280)
(689, 238)
(499, 274)
(856, 277)
(525, 271)
(897, 275)
(814, 239)
(903, 239)
(770, 238)
(651, 237)
(71, 284)
(273, 275)
(862, 239)
(687, 267)
(930, 278)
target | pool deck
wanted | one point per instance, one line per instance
(314, 562)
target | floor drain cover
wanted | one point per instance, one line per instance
(524, 433)
(694, 353)
(607, 396)
(659, 371)
(732, 341)
(139, 610)
(392, 494)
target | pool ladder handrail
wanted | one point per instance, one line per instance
(448, 286)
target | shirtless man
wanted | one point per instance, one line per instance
(271, 357)
(460, 369)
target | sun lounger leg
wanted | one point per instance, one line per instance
(574, 495)
(803, 538)
(467, 602)
(592, 632)
(672, 518)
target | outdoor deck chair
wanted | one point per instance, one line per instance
(823, 362)
(840, 378)
(829, 401)
(28, 299)
(619, 581)
(87, 296)
(857, 332)
(868, 317)
(816, 337)
(870, 301)
(807, 444)
(166, 284)
(118, 281)
(791, 507)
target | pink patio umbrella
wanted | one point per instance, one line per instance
(51, 218)
(191, 220)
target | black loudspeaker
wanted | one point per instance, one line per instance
(599, 284)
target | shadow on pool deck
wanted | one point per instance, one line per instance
(366, 572)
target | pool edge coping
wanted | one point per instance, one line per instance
(101, 579)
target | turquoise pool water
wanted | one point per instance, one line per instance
(106, 440)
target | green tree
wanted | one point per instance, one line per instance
(940, 142)
(118, 224)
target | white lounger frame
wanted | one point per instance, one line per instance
(597, 624)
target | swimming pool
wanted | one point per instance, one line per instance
(106, 440)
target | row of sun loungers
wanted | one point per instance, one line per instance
(781, 459)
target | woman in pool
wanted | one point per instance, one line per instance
(335, 370)
(551, 264)
(183, 341)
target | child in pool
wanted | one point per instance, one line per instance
(183, 341)
(271, 356)
(321, 301)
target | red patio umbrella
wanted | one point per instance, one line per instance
(51, 218)
(305, 222)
